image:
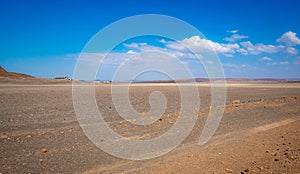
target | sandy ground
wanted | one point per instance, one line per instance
(260, 134)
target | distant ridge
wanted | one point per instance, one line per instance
(263, 80)
(4, 73)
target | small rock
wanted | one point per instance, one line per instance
(246, 170)
(28, 136)
(276, 159)
(44, 150)
(260, 168)
(236, 102)
(261, 100)
(41, 160)
(3, 136)
(228, 170)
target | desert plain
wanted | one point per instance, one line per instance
(259, 131)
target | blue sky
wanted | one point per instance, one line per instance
(253, 39)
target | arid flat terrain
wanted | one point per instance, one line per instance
(259, 133)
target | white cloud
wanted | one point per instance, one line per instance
(235, 37)
(291, 51)
(279, 63)
(134, 45)
(174, 48)
(113, 58)
(131, 52)
(231, 65)
(242, 51)
(163, 41)
(289, 39)
(232, 31)
(201, 45)
(261, 48)
(284, 63)
(265, 59)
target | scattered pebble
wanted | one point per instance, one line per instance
(41, 160)
(3, 136)
(236, 102)
(44, 150)
(228, 170)
(260, 168)
(276, 159)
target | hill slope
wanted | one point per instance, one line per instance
(4, 73)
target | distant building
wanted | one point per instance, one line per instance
(102, 81)
(62, 78)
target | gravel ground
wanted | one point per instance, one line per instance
(40, 132)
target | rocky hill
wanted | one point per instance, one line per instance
(4, 73)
